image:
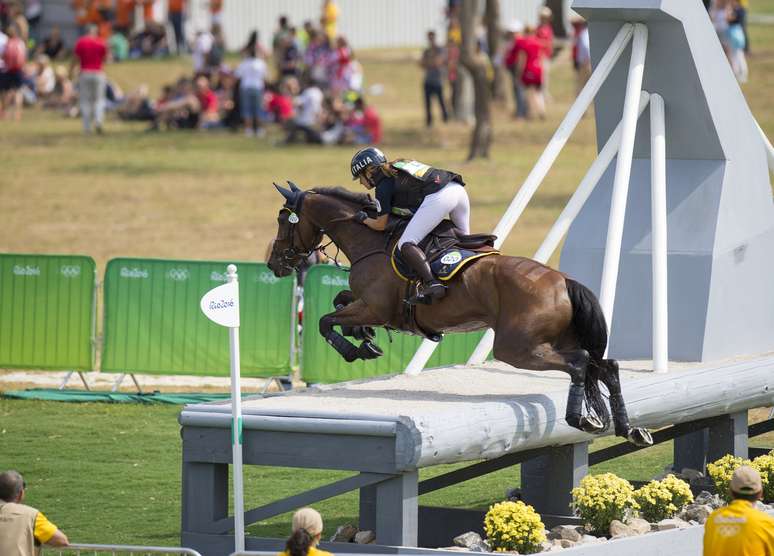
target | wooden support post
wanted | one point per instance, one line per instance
(546, 481)
(727, 436)
(204, 495)
(397, 510)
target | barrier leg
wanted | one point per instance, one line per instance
(546, 481)
(728, 436)
(204, 495)
(397, 510)
(367, 520)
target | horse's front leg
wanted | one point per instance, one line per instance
(356, 313)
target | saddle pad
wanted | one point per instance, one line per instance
(444, 265)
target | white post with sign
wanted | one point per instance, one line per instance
(221, 305)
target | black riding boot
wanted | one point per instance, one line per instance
(430, 288)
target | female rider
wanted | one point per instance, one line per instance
(426, 194)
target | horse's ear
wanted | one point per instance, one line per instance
(289, 195)
(293, 187)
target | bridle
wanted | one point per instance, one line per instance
(291, 256)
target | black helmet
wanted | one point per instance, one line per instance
(370, 156)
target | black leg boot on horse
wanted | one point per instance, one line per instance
(610, 378)
(431, 288)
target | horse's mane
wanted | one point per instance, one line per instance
(360, 199)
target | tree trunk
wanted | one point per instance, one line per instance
(475, 62)
(494, 40)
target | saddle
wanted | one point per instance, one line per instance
(446, 249)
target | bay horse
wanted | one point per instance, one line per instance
(542, 319)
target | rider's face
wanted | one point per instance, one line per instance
(365, 179)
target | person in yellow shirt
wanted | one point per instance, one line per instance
(330, 14)
(307, 530)
(23, 527)
(739, 529)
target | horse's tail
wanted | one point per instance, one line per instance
(588, 322)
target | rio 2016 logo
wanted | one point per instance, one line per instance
(134, 272)
(338, 281)
(26, 270)
(451, 258)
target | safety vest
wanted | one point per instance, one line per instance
(415, 181)
(17, 529)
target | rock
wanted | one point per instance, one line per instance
(566, 532)
(345, 533)
(709, 499)
(566, 543)
(691, 475)
(696, 512)
(674, 523)
(365, 537)
(467, 540)
(619, 529)
(591, 539)
(480, 547)
(639, 525)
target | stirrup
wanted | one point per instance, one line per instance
(428, 292)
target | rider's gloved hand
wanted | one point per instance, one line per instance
(360, 216)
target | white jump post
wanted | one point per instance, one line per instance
(622, 172)
(659, 234)
(768, 147)
(539, 171)
(221, 305)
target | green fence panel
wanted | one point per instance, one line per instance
(153, 323)
(47, 311)
(321, 363)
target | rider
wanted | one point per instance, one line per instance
(410, 188)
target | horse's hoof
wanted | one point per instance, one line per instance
(639, 437)
(367, 350)
(591, 424)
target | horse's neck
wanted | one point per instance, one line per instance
(355, 240)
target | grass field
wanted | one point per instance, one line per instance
(112, 473)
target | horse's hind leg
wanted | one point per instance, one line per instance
(610, 378)
(543, 358)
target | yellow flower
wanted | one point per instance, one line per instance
(514, 526)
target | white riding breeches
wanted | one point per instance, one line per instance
(452, 200)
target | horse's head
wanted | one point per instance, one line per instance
(297, 236)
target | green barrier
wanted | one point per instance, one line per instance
(153, 323)
(321, 363)
(47, 312)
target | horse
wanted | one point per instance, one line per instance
(542, 319)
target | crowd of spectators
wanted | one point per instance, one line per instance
(315, 96)
(309, 83)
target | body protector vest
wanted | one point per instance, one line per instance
(415, 181)
(17, 529)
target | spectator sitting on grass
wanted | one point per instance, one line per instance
(209, 117)
(53, 45)
(22, 527)
(308, 110)
(280, 101)
(307, 531)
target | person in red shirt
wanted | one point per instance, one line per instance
(511, 63)
(90, 53)
(280, 104)
(209, 116)
(530, 66)
(175, 9)
(545, 33)
(14, 58)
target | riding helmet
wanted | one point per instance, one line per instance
(370, 156)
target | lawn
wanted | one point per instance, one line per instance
(109, 473)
